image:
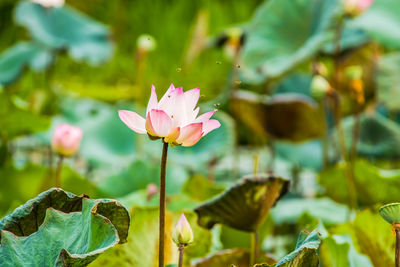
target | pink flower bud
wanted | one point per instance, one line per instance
(66, 140)
(151, 191)
(182, 234)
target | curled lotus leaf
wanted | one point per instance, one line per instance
(245, 205)
(58, 228)
(289, 116)
(379, 137)
(305, 253)
(26, 219)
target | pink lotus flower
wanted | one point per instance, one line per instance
(49, 3)
(66, 140)
(355, 7)
(173, 118)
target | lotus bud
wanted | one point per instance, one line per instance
(353, 8)
(319, 86)
(321, 69)
(66, 140)
(49, 3)
(182, 234)
(151, 191)
(234, 42)
(146, 43)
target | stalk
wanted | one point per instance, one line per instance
(4, 152)
(325, 137)
(181, 248)
(162, 205)
(255, 166)
(270, 169)
(356, 136)
(254, 248)
(397, 255)
(338, 121)
(58, 171)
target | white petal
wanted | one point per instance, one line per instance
(133, 120)
(153, 100)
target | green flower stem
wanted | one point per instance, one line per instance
(356, 136)
(325, 137)
(254, 248)
(397, 255)
(162, 205)
(181, 249)
(338, 119)
(4, 152)
(58, 171)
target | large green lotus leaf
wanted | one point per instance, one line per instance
(15, 122)
(373, 184)
(142, 246)
(305, 155)
(26, 219)
(363, 230)
(23, 54)
(290, 210)
(388, 79)
(232, 257)
(65, 229)
(305, 253)
(139, 174)
(379, 137)
(296, 83)
(66, 28)
(20, 185)
(352, 37)
(245, 205)
(381, 22)
(285, 33)
(290, 116)
(339, 251)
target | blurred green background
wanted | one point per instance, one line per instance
(305, 89)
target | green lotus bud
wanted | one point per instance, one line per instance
(146, 42)
(182, 234)
(354, 72)
(321, 69)
(391, 213)
(319, 86)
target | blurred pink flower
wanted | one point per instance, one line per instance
(66, 140)
(173, 118)
(49, 3)
(151, 190)
(356, 7)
